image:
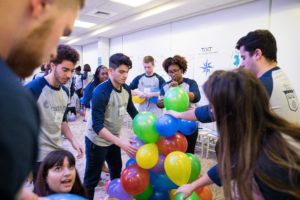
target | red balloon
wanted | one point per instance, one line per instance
(135, 179)
(106, 185)
(177, 142)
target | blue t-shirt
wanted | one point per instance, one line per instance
(109, 106)
(20, 121)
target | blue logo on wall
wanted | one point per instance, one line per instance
(236, 60)
(206, 67)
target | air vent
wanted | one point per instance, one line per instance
(101, 14)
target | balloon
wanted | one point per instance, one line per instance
(162, 182)
(159, 167)
(137, 99)
(144, 127)
(67, 117)
(137, 144)
(159, 195)
(181, 195)
(176, 99)
(67, 196)
(172, 196)
(146, 194)
(81, 100)
(72, 117)
(187, 127)
(176, 142)
(81, 112)
(115, 190)
(147, 156)
(134, 179)
(130, 162)
(206, 194)
(196, 167)
(166, 125)
(154, 98)
(178, 167)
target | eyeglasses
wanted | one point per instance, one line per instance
(174, 71)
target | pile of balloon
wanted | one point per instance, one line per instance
(160, 165)
(71, 117)
(82, 112)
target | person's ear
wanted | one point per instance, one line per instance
(38, 7)
(52, 66)
(258, 54)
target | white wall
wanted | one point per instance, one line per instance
(90, 56)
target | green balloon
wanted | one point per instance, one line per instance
(181, 195)
(67, 117)
(195, 167)
(146, 194)
(176, 99)
(144, 127)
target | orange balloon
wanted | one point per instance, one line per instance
(177, 142)
(206, 194)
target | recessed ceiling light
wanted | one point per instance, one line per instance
(73, 41)
(133, 3)
(83, 24)
(101, 30)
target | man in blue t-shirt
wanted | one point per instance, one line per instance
(52, 99)
(148, 85)
(29, 34)
(259, 55)
(111, 99)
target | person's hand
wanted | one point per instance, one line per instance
(173, 84)
(149, 95)
(30, 178)
(141, 95)
(127, 147)
(187, 190)
(78, 148)
(81, 91)
(27, 194)
(173, 113)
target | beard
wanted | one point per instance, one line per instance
(28, 54)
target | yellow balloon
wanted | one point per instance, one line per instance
(178, 167)
(147, 156)
(172, 196)
(137, 99)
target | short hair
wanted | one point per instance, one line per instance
(56, 158)
(86, 68)
(119, 59)
(78, 68)
(176, 60)
(148, 59)
(259, 39)
(65, 52)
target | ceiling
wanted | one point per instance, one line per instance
(113, 19)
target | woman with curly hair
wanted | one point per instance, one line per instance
(175, 67)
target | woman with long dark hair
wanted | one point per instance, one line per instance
(57, 174)
(254, 158)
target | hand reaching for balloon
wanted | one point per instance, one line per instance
(127, 147)
(173, 113)
(187, 190)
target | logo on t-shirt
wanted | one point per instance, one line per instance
(46, 104)
(291, 99)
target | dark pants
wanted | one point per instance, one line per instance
(35, 170)
(78, 92)
(191, 139)
(95, 157)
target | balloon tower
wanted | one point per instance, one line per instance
(160, 165)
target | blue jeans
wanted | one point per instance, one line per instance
(95, 157)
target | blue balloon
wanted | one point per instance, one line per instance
(154, 99)
(67, 196)
(81, 100)
(187, 127)
(160, 195)
(161, 182)
(166, 125)
(130, 162)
